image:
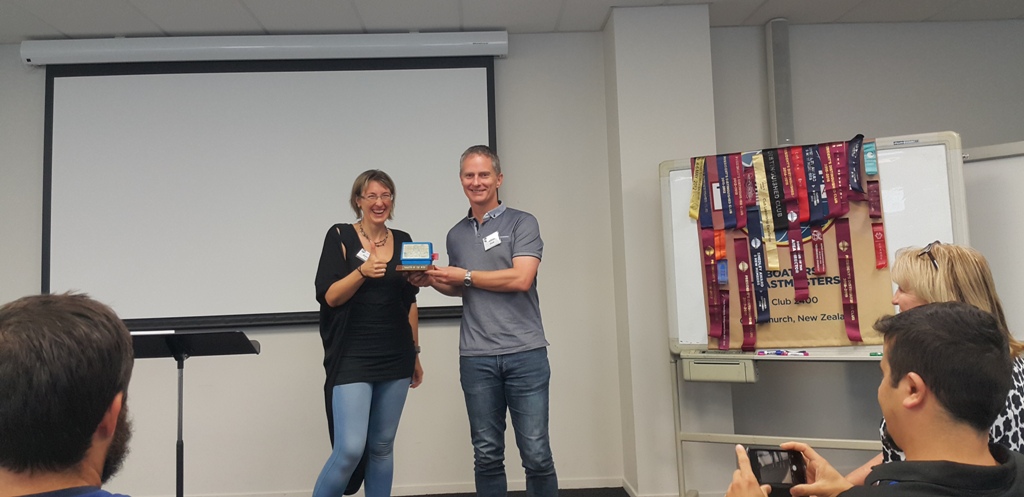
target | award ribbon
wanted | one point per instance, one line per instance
(870, 159)
(706, 219)
(720, 258)
(847, 280)
(746, 290)
(836, 178)
(715, 193)
(796, 156)
(764, 205)
(818, 248)
(877, 229)
(707, 245)
(881, 254)
(775, 188)
(815, 185)
(757, 265)
(874, 199)
(723, 341)
(853, 159)
(697, 169)
(796, 245)
(739, 189)
(749, 180)
(728, 192)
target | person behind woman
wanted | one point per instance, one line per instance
(368, 325)
(953, 273)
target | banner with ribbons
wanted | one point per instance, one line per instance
(793, 245)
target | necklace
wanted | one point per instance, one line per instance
(375, 244)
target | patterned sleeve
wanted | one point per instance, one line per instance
(890, 451)
(1006, 430)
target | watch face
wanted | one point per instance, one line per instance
(468, 280)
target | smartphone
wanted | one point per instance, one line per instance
(779, 468)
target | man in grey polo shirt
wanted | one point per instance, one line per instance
(494, 254)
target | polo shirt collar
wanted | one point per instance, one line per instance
(491, 214)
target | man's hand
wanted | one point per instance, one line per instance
(744, 484)
(447, 275)
(420, 279)
(822, 479)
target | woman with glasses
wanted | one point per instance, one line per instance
(369, 329)
(954, 273)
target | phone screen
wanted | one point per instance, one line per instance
(777, 466)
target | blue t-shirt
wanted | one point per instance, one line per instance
(496, 323)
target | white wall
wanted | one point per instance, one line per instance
(876, 79)
(254, 425)
(660, 107)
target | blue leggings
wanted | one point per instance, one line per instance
(365, 417)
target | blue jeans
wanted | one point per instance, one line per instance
(365, 418)
(517, 383)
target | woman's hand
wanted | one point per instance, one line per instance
(373, 267)
(417, 373)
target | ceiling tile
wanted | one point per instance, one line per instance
(92, 18)
(306, 16)
(54, 19)
(895, 10)
(981, 10)
(801, 11)
(514, 16)
(591, 15)
(732, 12)
(200, 17)
(390, 16)
(17, 25)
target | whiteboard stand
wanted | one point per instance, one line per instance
(924, 200)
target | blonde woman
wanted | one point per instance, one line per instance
(954, 273)
(368, 324)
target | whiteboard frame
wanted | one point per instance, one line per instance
(692, 348)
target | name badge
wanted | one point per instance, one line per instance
(363, 255)
(491, 241)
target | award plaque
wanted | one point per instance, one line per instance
(416, 256)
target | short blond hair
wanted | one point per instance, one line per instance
(360, 184)
(958, 274)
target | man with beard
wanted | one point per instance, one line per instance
(65, 363)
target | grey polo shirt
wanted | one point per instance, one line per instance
(496, 323)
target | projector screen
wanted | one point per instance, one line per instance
(198, 195)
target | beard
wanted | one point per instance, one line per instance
(118, 449)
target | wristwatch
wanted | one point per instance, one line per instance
(468, 280)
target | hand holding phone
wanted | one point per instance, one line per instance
(779, 468)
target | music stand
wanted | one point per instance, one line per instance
(181, 346)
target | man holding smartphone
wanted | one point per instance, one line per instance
(946, 371)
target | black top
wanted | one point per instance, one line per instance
(368, 338)
(944, 478)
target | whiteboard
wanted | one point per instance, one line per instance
(992, 178)
(205, 190)
(923, 200)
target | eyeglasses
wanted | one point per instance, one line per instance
(387, 197)
(927, 250)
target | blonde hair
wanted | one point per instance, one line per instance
(360, 184)
(951, 273)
